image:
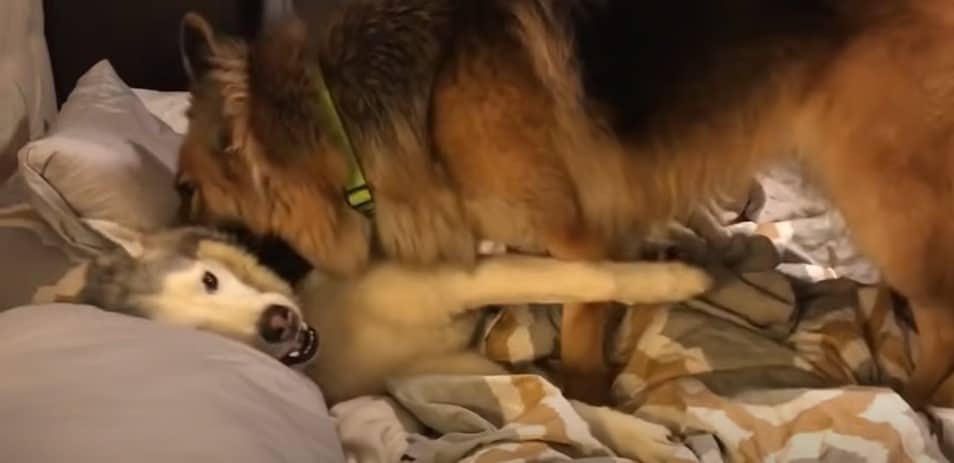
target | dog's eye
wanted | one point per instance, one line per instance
(210, 282)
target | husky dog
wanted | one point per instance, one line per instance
(392, 320)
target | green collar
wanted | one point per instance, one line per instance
(357, 192)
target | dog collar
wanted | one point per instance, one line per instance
(357, 192)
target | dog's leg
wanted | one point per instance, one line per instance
(513, 279)
(913, 244)
(582, 330)
(418, 296)
(910, 236)
(934, 361)
(880, 133)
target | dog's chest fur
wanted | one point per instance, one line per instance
(359, 350)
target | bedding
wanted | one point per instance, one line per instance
(87, 386)
(26, 90)
(791, 359)
(106, 158)
(33, 257)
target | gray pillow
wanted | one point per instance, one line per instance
(85, 386)
(33, 258)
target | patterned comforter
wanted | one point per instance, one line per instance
(792, 358)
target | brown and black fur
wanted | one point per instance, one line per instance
(572, 126)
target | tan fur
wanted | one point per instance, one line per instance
(396, 320)
(533, 162)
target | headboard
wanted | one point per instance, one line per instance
(139, 38)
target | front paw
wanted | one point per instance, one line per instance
(429, 229)
(659, 282)
(688, 281)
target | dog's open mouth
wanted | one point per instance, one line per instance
(307, 347)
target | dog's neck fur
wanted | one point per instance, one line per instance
(357, 192)
(380, 91)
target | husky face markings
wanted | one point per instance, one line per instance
(194, 278)
(232, 308)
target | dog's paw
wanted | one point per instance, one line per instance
(659, 282)
(689, 281)
(426, 231)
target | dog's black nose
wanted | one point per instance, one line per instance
(277, 323)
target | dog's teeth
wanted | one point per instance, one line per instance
(294, 354)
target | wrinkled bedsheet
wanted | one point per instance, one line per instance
(792, 358)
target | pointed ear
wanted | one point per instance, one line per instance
(128, 240)
(196, 45)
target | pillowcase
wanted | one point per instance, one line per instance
(105, 158)
(35, 260)
(169, 107)
(87, 386)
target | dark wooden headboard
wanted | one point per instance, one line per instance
(139, 38)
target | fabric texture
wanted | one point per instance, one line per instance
(26, 89)
(106, 158)
(83, 385)
(33, 258)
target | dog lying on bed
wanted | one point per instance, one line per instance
(392, 320)
(572, 125)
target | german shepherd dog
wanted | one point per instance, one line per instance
(572, 126)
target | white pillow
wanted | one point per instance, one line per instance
(169, 107)
(106, 158)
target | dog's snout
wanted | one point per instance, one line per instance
(277, 323)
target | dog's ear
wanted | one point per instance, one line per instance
(126, 239)
(196, 45)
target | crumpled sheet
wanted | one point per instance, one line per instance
(791, 359)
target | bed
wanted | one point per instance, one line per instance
(792, 360)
